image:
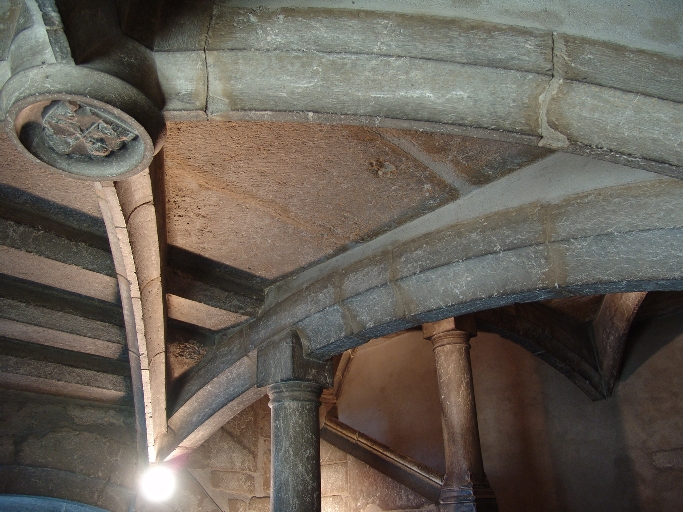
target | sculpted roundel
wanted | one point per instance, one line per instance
(79, 130)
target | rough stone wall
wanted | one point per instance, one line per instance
(67, 449)
(230, 472)
(85, 452)
(546, 445)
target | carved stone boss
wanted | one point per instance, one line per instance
(465, 487)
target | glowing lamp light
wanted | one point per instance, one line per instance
(157, 483)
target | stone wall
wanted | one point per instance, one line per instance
(231, 472)
(67, 449)
(84, 452)
(546, 445)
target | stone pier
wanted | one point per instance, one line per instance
(465, 487)
(295, 435)
(295, 384)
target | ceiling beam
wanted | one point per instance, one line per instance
(57, 299)
(24, 208)
(26, 374)
(42, 243)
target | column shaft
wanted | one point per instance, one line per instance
(465, 488)
(464, 464)
(295, 437)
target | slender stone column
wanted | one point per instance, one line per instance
(295, 457)
(465, 488)
(295, 384)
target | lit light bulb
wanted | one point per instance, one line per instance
(157, 483)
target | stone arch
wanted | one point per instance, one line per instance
(554, 233)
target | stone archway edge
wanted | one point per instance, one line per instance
(550, 235)
(129, 214)
(548, 88)
(570, 92)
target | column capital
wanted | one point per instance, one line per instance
(465, 323)
(295, 391)
(284, 360)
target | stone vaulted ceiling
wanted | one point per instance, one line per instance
(338, 171)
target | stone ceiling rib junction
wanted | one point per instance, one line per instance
(203, 202)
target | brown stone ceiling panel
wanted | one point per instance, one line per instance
(476, 161)
(18, 171)
(271, 198)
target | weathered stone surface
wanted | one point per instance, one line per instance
(520, 227)
(236, 176)
(613, 257)
(65, 450)
(376, 306)
(67, 341)
(59, 275)
(191, 495)
(56, 379)
(183, 79)
(645, 126)
(232, 448)
(396, 35)
(197, 313)
(619, 67)
(668, 459)
(284, 360)
(236, 381)
(527, 269)
(467, 157)
(259, 505)
(295, 437)
(451, 284)
(329, 453)
(98, 416)
(334, 479)
(370, 487)
(447, 93)
(7, 450)
(31, 177)
(54, 247)
(232, 481)
(333, 504)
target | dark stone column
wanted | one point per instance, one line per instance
(295, 384)
(295, 457)
(465, 488)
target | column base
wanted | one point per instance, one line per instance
(478, 498)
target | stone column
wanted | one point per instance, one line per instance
(295, 450)
(465, 488)
(295, 384)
